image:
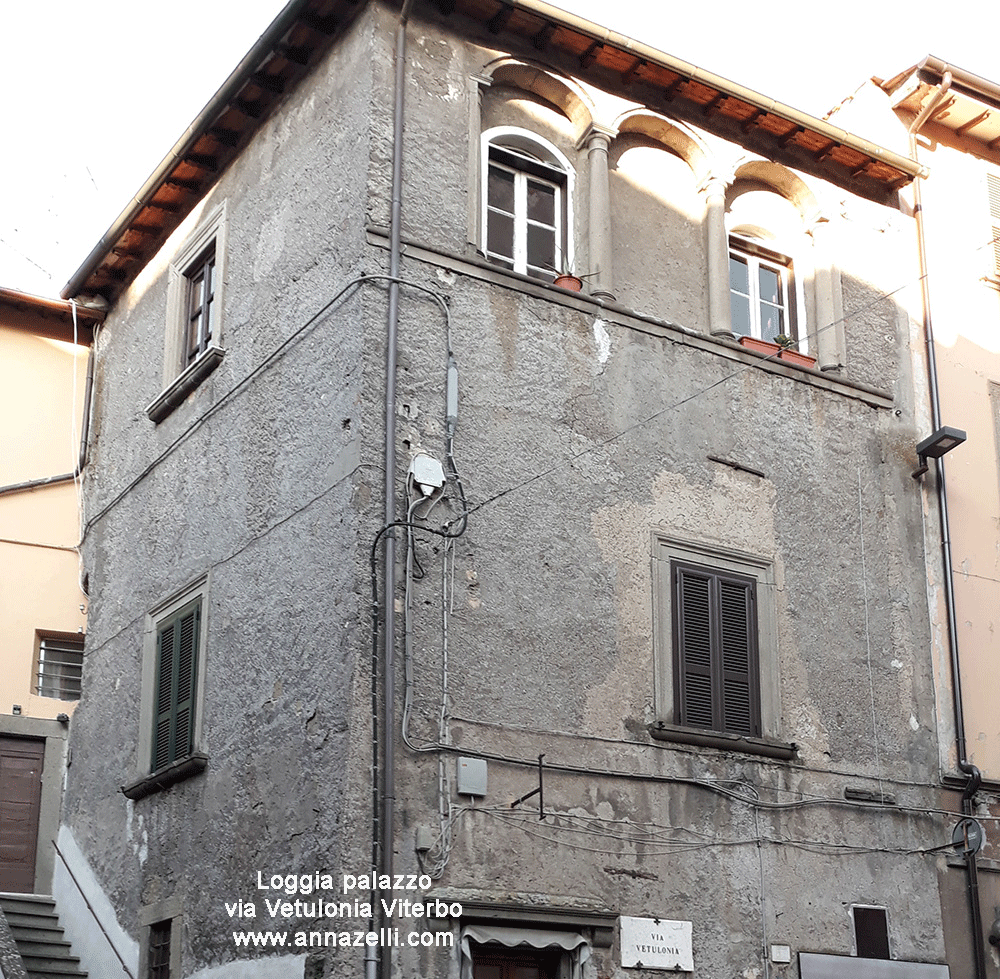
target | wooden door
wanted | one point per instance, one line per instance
(20, 804)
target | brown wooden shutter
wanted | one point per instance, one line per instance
(738, 656)
(716, 671)
(693, 648)
(176, 677)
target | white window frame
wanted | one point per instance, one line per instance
(755, 259)
(503, 146)
(181, 377)
(670, 549)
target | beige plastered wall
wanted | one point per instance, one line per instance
(42, 385)
(965, 301)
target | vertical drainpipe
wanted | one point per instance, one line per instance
(971, 772)
(387, 828)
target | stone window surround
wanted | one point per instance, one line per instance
(169, 909)
(596, 140)
(179, 377)
(666, 549)
(854, 923)
(145, 782)
(55, 735)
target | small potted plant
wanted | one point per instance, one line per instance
(787, 351)
(567, 279)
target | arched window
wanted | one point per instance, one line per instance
(765, 238)
(527, 194)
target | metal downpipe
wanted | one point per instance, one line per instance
(387, 826)
(971, 772)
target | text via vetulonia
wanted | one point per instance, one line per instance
(313, 898)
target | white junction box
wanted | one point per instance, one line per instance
(471, 776)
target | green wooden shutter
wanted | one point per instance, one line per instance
(716, 671)
(176, 678)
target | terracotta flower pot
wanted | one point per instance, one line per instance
(760, 346)
(794, 357)
(569, 282)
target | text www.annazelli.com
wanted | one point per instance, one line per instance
(384, 937)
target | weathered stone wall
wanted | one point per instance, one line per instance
(263, 478)
(585, 435)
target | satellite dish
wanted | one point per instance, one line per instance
(968, 835)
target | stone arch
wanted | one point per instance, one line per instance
(559, 91)
(669, 134)
(768, 176)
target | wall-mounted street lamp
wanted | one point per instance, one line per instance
(934, 446)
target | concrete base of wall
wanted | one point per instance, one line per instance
(280, 967)
(90, 943)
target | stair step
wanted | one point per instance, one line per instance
(39, 938)
(55, 948)
(48, 922)
(54, 973)
(41, 962)
(26, 904)
(53, 934)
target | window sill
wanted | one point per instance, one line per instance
(161, 780)
(183, 385)
(611, 311)
(768, 747)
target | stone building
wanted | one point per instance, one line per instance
(659, 690)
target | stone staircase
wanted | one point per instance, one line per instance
(39, 938)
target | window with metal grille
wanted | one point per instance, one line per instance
(200, 303)
(871, 932)
(176, 683)
(60, 667)
(159, 950)
(716, 672)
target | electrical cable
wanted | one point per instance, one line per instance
(715, 787)
(868, 639)
(569, 460)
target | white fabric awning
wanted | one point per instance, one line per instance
(569, 941)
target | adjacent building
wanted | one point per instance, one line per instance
(501, 482)
(43, 401)
(949, 119)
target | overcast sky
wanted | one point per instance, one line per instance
(97, 91)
